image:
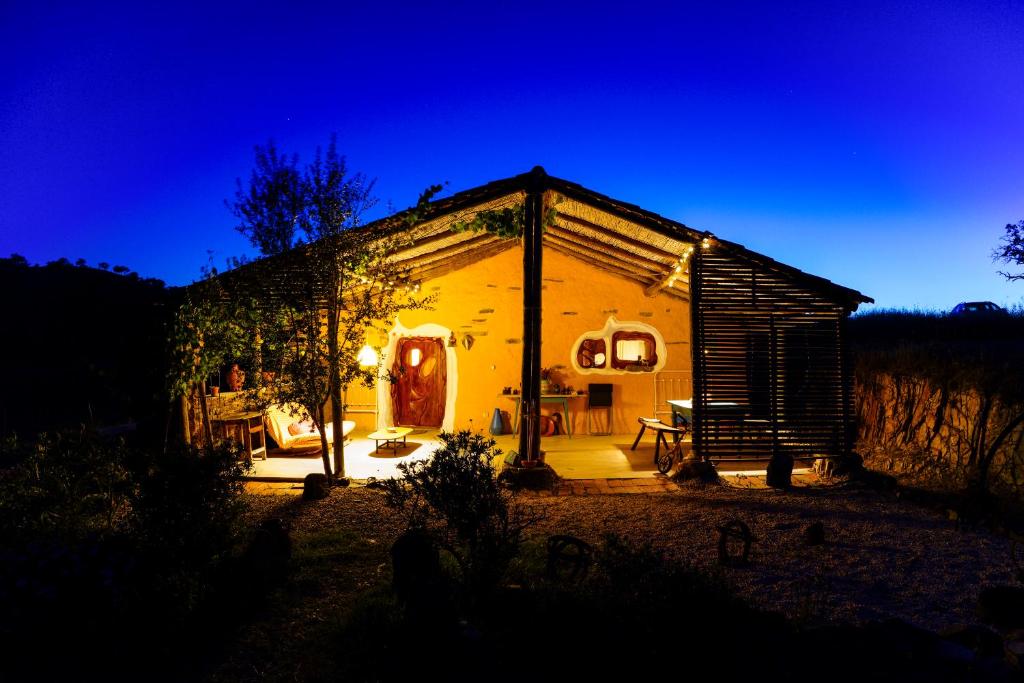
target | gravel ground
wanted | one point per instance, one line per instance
(882, 557)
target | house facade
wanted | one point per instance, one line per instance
(588, 290)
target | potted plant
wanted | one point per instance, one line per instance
(546, 377)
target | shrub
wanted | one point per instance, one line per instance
(106, 549)
(456, 496)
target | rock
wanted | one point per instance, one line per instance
(780, 471)
(1002, 607)
(691, 469)
(416, 573)
(269, 552)
(537, 478)
(315, 487)
(814, 534)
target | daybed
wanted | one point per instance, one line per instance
(292, 433)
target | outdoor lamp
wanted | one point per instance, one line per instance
(367, 357)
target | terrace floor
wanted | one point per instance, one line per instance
(579, 457)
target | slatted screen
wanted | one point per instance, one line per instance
(769, 368)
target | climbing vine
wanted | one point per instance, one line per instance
(506, 223)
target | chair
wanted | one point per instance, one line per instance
(662, 429)
(599, 396)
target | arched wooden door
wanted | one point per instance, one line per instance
(420, 382)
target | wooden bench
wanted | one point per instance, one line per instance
(662, 429)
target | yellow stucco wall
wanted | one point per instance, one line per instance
(485, 300)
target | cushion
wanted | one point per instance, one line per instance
(304, 427)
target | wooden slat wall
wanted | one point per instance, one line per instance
(774, 348)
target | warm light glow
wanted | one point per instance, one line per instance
(628, 349)
(367, 356)
(415, 356)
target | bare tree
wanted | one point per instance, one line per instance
(1011, 249)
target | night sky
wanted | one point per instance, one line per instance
(878, 145)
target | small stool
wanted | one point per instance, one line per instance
(662, 429)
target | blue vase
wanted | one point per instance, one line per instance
(497, 426)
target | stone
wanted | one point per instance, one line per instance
(269, 552)
(315, 486)
(780, 471)
(416, 570)
(693, 470)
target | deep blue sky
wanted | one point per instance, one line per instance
(878, 145)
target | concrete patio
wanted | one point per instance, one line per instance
(577, 458)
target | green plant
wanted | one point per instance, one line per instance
(108, 549)
(455, 494)
(506, 222)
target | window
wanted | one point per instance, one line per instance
(591, 354)
(618, 348)
(633, 351)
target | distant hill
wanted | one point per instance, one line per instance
(81, 345)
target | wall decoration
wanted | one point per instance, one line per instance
(619, 348)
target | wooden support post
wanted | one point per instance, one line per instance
(529, 414)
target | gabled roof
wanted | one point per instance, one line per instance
(617, 236)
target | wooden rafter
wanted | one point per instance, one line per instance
(446, 252)
(601, 256)
(622, 254)
(454, 262)
(612, 234)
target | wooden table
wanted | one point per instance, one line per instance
(389, 437)
(250, 428)
(562, 399)
(685, 408)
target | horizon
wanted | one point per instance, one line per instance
(875, 146)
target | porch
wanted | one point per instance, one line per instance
(581, 457)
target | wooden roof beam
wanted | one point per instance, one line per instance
(623, 254)
(600, 258)
(675, 273)
(611, 234)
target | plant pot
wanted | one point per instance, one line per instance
(545, 386)
(215, 391)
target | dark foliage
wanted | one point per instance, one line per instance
(108, 553)
(81, 346)
(983, 352)
(635, 609)
(1011, 249)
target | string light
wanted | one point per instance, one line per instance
(677, 272)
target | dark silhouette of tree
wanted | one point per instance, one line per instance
(1011, 249)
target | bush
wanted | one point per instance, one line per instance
(455, 496)
(107, 550)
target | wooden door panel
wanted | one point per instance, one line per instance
(421, 382)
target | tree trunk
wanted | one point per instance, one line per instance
(186, 430)
(207, 427)
(985, 462)
(325, 453)
(335, 390)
